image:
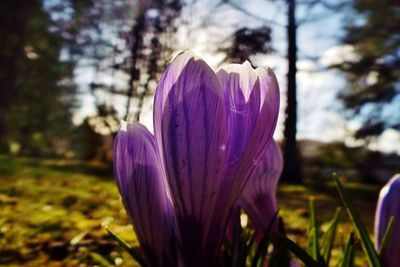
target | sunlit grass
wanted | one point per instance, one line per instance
(54, 211)
(293, 201)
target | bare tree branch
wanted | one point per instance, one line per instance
(245, 11)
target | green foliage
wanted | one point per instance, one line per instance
(328, 238)
(244, 252)
(132, 251)
(348, 254)
(262, 249)
(387, 236)
(368, 247)
(36, 94)
(313, 238)
(306, 258)
(54, 211)
(374, 74)
(236, 253)
(314, 256)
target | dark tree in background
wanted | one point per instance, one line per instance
(135, 45)
(247, 42)
(96, 41)
(291, 170)
(36, 89)
(374, 73)
(115, 39)
(151, 47)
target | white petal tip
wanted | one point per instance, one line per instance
(247, 64)
(186, 54)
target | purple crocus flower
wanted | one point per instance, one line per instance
(258, 198)
(144, 194)
(389, 205)
(210, 131)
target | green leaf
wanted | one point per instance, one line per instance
(348, 254)
(280, 256)
(313, 243)
(343, 247)
(366, 243)
(132, 251)
(240, 249)
(298, 251)
(329, 237)
(100, 260)
(387, 236)
(262, 248)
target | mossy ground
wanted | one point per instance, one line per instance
(53, 212)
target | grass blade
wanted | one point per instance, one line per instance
(366, 243)
(135, 254)
(239, 250)
(313, 243)
(343, 247)
(280, 255)
(262, 248)
(329, 237)
(100, 260)
(387, 236)
(298, 251)
(348, 254)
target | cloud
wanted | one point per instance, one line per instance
(338, 54)
(388, 142)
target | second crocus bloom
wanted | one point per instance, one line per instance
(388, 206)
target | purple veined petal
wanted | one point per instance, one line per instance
(242, 100)
(258, 198)
(140, 182)
(190, 128)
(166, 83)
(389, 205)
(252, 107)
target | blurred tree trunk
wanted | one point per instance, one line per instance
(137, 35)
(291, 171)
(149, 41)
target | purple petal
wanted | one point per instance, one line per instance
(252, 106)
(252, 101)
(258, 198)
(242, 99)
(142, 187)
(190, 128)
(389, 205)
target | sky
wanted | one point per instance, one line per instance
(320, 113)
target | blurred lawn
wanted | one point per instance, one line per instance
(293, 202)
(53, 212)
